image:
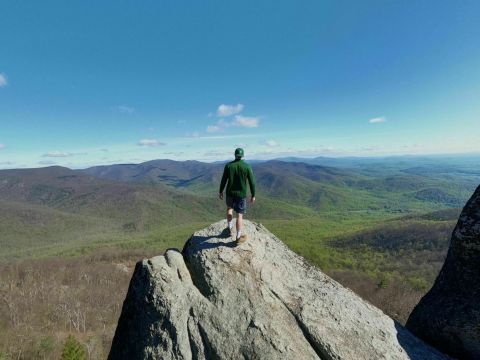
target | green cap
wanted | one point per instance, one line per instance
(238, 152)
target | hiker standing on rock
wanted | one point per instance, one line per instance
(235, 176)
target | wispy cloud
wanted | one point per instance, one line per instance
(377, 120)
(246, 121)
(215, 128)
(125, 109)
(194, 134)
(270, 143)
(57, 154)
(2, 146)
(46, 162)
(239, 121)
(3, 80)
(175, 153)
(228, 110)
(150, 142)
(224, 136)
(215, 153)
(306, 152)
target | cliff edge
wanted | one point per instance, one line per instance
(258, 300)
(448, 316)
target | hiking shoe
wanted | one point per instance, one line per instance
(241, 239)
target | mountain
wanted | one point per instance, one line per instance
(311, 186)
(316, 187)
(174, 173)
(55, 207)
(462, 163)
(52, 208)
(258, 300)
(76, 192)
(129, 202)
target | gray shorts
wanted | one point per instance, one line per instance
(237, 203)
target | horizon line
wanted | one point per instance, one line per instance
(278, 158)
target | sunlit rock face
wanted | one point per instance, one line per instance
(256, 300)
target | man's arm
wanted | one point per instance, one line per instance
(251, 184)
(223, 182)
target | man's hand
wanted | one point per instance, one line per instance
(252, 200)
(220, 195)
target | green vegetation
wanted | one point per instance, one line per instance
(69, 240)
(73, 350)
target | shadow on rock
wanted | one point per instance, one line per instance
(413, 346)
(199, 243)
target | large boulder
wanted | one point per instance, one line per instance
(448, 316)
(258, 300)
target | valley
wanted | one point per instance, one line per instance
(380, 228)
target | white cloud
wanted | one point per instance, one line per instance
(219, 137)
(57, 154)
(214, 128)
(2, 146)
(270, 143)
(3, 80)
(228, 110)
(246, 121)
(239, 121)
(377, 120)
(124, 109)
(150, 142)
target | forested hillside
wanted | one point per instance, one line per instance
(70, 238)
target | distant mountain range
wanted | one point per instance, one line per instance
(313, 185)
(57, 205)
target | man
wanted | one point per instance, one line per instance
(236, 175)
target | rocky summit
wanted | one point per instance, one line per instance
(257, 300)
(448, 316)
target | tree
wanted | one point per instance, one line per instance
(383, 283)
(73, 350)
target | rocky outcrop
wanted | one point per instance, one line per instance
(448, 316)
(258, 300)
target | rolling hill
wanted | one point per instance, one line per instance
(55, 208)
(318, 187)
(380, 228)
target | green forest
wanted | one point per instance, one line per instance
(70, 238)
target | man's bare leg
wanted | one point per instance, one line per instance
(230, 218)
(239, 225)
(240, 237)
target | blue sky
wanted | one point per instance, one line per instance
(85, 83)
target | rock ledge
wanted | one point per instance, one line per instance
(258, 300)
